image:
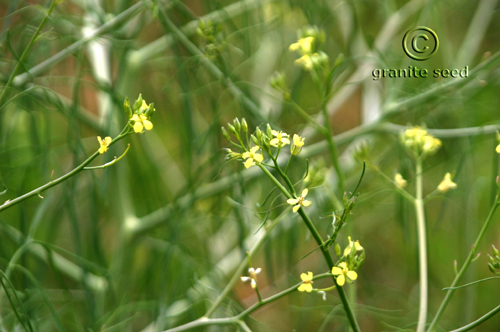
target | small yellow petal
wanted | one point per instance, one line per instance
(258, 157)
(248, 163)
(292, 201)
(352, 275)
(245, 155)
(341, 280)
(302, 288)
(336, 270)
(274, 142)
(296, 208)
(253, 283)
(99, 139)
(285, 141)
(343, 265)
(135, 117)
(310, 275)
(306, 203)
(147, 124)
(108, 140)
(308, 287)
(138, 127)
(305, 192)
(254, 149)
(304, 277)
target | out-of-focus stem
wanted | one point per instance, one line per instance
(422, 248)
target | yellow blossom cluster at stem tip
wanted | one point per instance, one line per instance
(252, 276)
(300, 201)
(251, 157)
(306, 285)
(343, 274)
(446, 184)
(104, 143)
(420, 141)
(352, 245)
(308, 59)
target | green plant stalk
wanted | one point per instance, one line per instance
(467, 262)
(479, 321)
(103, 29)
(324, 251)
(239, 318)
(422, 247)
(25, 53)
(241, 267)
(63, 178)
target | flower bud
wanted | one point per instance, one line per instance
(269, 131)
(232, 130)
(258, 133)
(255, 140)
(492, 269)
(149, 111)
(138, 103)
(225, 134)
(495, 252)
(237, 124)
(337, 249)
(244, 125)
(127, 108)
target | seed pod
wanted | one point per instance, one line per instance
(127, 108)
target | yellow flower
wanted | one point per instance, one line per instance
(300, 201)
(344, 274)
(280, 139)
(298, 143)
(252, 157)
(253, 276)
(306, 285)
(498, 148)
(431, 144)
(141, 122)
(306, 61)
(400, 182)
(104, 144)
(303, 45)
(446, 184)
(351, 245)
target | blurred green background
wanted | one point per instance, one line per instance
(149, 243)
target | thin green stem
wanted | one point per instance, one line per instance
(403, 192)
(25, 53)
(288, 163)
(63, 178)
(422, 247)
(479, 321)
(461, 273)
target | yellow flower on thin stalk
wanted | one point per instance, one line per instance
(298, 143)
(306, 285)
(104, 143)
(280, 139)
(141, 122)
(343, 274)
(251, 157)
(446, 184)
(300, 201)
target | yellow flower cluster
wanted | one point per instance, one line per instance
(309, 58)
(446, 184)
(420, 141)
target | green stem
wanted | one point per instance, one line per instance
(284, 176)
(461, 273)
(25, 53)
(478, 321)
(324, 251)
(236, 319)
(63, 178)
(288, 163)
(422, 248)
